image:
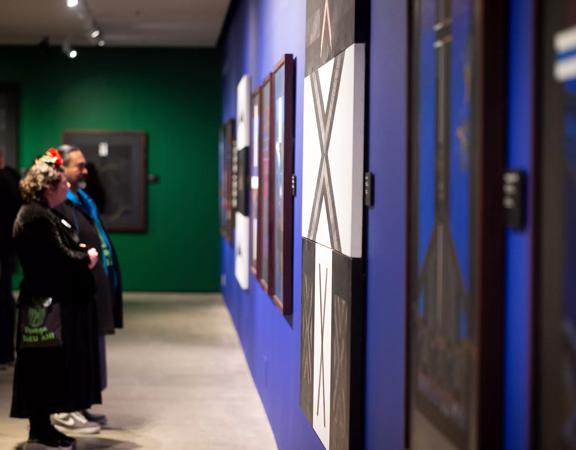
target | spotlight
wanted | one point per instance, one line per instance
(101, 43)
(72, 3)
(68, 50)
(95, 33)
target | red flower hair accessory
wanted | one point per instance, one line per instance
(52, 156)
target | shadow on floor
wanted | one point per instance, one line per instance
(96, 443)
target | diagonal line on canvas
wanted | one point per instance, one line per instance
(324, 122)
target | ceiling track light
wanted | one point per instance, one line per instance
(68, 50)
(90, 26)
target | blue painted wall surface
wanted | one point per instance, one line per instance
(519, 300)
(259, 33)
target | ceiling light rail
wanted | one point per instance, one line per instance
(81, 10)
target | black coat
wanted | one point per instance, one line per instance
(65, 378)
(88, 234)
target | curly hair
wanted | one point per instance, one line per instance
(39, 177)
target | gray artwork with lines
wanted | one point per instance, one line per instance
(330, 28)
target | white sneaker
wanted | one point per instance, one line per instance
(74, 422)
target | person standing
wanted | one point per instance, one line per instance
(57, 365)
(10, 202)
(81, 211)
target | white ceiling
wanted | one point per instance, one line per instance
(124, 23)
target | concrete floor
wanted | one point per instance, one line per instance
(177, 380)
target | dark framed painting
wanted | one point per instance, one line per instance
(282, 198)
(456, 225)
(555, 313)
(119, 161)
(227, 132)
(265, 194)
(9, 122)
(254, 181)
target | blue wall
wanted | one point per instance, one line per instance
(518, 322)
(259, 33)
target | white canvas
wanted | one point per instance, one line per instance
(243, 112)
(322, 343)
(242, 223)
(332, 187)
(241, 249)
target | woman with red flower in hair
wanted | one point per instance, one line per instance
(57, 365)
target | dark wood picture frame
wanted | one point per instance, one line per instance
(554, 361)
(265, 176)
(9, 122)
(254, 181)
(120, 159)
(486, 245)
(282, 204)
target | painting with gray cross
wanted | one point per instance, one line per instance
(332, 264)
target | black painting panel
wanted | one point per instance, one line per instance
(120, 161)
(556, 266)
(9, 119)
(307, 332)
(243, 181)
(347, 353)
(331, 27)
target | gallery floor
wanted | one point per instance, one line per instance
(178, 380)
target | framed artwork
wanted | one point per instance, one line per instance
(555, 362)
(282, 198)
(241, 151)
(254, 182)
(331, 27)
(456, 227)
(9, 122)
(119, 160)
(227, 143)
(265, 216)
(332, 264)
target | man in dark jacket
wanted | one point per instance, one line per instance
(9, 204)
(82, 213)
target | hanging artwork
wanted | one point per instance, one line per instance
(332, 213)
(9, 119)
(556, 260)
(331, 27)
(282, 198)
(241, 150)
(227, 214)
(333, 155)
(455, 296)
(119, 162)
(254, 182)
(265, 216)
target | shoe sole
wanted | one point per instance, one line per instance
(85, 430)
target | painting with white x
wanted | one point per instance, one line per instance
(333, 153)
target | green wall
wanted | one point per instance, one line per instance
(171, 94)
